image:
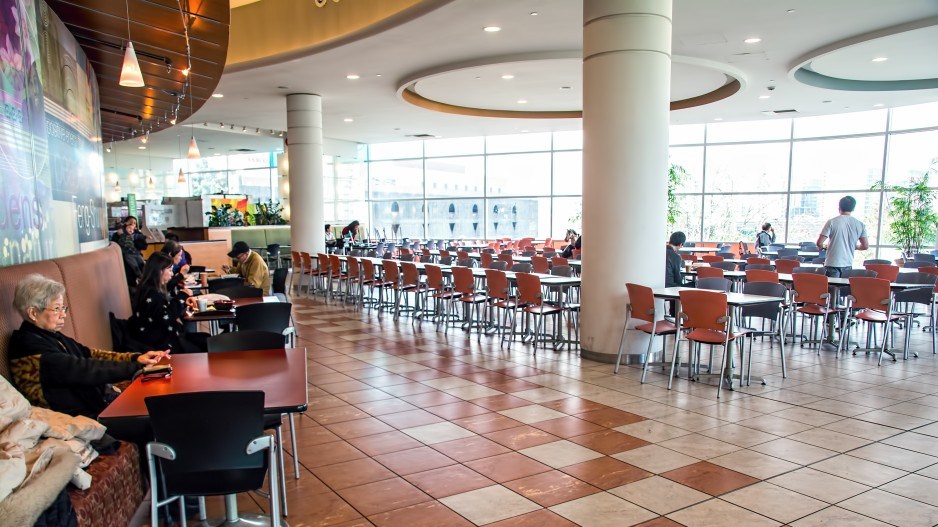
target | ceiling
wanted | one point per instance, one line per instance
(814, 58)
(158, 34)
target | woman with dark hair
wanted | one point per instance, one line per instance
(174, 251)
(131, 243)
(158, 311)
(351, 230)
(185, 259)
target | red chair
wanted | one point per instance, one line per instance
(531, 299)
(760, 275)
(410, 283)
(505, 257)
(711, 258)
(541, 265)
(813, 298)
(706, 318)
(558, 261)
(392, 281)
(321, 273)
(884, 271)
(439, 291)
(499, 297)
(370, 279)
(765, 261)
(689, 258)
(464, 287)
(353, 277)
(870, 301)
(642, 307)
(485, 259)
(786, 266)
(709, 272)
(336, 275)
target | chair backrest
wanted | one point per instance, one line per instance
(243, 340)
(703, 309)
(486, 259)
(819, 260)
(756, 261)
(273, 250)
(709, 272)
(562, 270)
(352, 267)
(760, 266)
(294, 257)
(500, 265)
(529, 289)
(435, 277)
(798, 259)
(335, 264)
(323, 260)
(241, 291)
(558, 260)
(761, 275)
(264, 316)
(884, 271)
(496, 284)
(917, 264)
(809, 270)
(924, 257)
(877, 261)
(726, 266)
(870, 293)
(710, 258)
(306, 260)
(786, 266)
(522, 268)
(217, 284)
(641, 302)
(540, 264)
(464, 262)
(783, 252)
(924, 295)
(446, 261)
(717, 284)
(392, 273)
(506, 258)
(930, 270)
(444, 253)
(209, 433)
(407, 257)
(687, 257)
(529, 253)
(426, 258)
(462, 254)
(463, 281)
(368, 269)
(850, 273)
(811, 288)
(411, 274)
(279, 280)
(769, 311)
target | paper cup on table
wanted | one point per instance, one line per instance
(202, 303)
(195, 276)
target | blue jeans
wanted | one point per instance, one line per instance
(835, 272)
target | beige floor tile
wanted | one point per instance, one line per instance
(894, 457)
(691, 421)
(472, 392)
(830, 439)
(864, 429)
(820, 485)
(652, 431)
(534, 413)
(931, 430)
(774, 502)
(560, 453)
(913, 441)
(541, 395)
(659, 495)
(794, 451)
(916, 487)
(894, 509)
(716, 513)
(477, 505)
(808, 416)
(602, 510)
(837, 517)
(654, 458)
(447, 383)
(755, 464)
(738, 435)
(437, 433)
(772, 424)
(859, 470)
(902, 421)
(698, 446)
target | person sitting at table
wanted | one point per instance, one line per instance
(55, 371)
(158, 312)
(250, 266)
(673, 262)
(185, 259)
(131, 243)
(178, 281)
(350, 231)
(766, 236)
(574, 242)
(331, 244)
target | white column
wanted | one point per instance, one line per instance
(304, 153)
(626, 98)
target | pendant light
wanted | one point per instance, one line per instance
(131, 76)
(182, 175)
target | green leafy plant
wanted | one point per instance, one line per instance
(226, 216)
(911, 209)
(269, 213)
(676, 175)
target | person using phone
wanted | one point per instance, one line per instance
(250, 266)
(766, 236)
(157, 318)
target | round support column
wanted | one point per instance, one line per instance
(626, 98)
(304, 153)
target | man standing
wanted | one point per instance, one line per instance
(250, 266)
(673, 261)
(843, 234)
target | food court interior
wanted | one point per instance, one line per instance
(445, 388)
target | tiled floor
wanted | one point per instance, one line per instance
(412, 427)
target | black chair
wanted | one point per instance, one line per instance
(763, 267)
(196, 268)
(241, 291)
(815, 270)
(924, 257)
(267, 316)
(918, 264)
(245, 340)
(521, 268)
(850, 273)
(273, 254)
(772, 313)
(785, 252)
(878, 261)
(448, 260)
(718, 284)
(217, 284)
(466, 262)
(279, 283)
(820, 260)
(923, 295)
(499, 265)
(210, 444)
(726, 266)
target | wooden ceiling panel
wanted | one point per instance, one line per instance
(156, 27)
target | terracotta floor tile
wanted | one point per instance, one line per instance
(519, 371)
(336, 414)
(506, 467)
(414, 460)
(446, 481)
(363, 396)
(361, 522)
(488, 422)
(456, 410)
(541, 518)
(487, 377)
(359, 428)
(574, 405)
(385, 406)
(521, 437)
(568, 426)
(325, 509)
(425, 375)
(610, 417)
(328, 454)
(709, 478)
(367, 374)
(313, 435)
(470, 448)
(428, 514)
(410, 419)
(606, 472)
(385, 381)
(343, 387)
(609, 441)
(352, 473)
(434, 398)
(408, 388)
(383, 496)
(325, 401)
(378, 444)
(500, 402)
(513, 385)
(551, 488)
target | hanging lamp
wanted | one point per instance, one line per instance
(131, 76)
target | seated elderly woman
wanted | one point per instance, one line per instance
(55, 371)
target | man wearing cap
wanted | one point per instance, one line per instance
(250, 266)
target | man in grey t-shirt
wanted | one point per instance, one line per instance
(843, 234)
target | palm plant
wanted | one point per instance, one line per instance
(676, 176)
(912, 214)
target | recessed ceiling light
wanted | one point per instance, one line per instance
(377, 74)
(352, 77)
(565, 88)
(880, 59)
(790, 11)
(878, 105)
(478, 77)
(348, 119)
(282, 88)
(524, 131)
(768, 113)
(141, 148)
(508, 76)
(825, 102)
(491, 29)
(217, 95)
(753, 40)
(522, 101)
(765, 96)
(216, 154)
(717, 118)
(533, 13)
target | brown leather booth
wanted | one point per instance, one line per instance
(95, 285)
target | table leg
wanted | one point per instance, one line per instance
(235, 519)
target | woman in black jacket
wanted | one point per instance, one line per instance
(157, 312)
(55, 371)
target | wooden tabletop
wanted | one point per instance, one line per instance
(279, 373)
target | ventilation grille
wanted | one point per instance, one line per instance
(422, 136)
(243, 150)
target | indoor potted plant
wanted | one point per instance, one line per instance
(912, 215)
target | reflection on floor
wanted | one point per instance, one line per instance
(412, 427)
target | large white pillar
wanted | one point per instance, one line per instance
(626, 98)
(304, 153)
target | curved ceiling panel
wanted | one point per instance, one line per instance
(157, 31)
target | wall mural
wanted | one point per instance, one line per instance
(50, 147)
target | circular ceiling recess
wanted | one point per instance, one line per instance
(895, 59)
(547, 86)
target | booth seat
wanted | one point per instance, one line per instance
(95, 286)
